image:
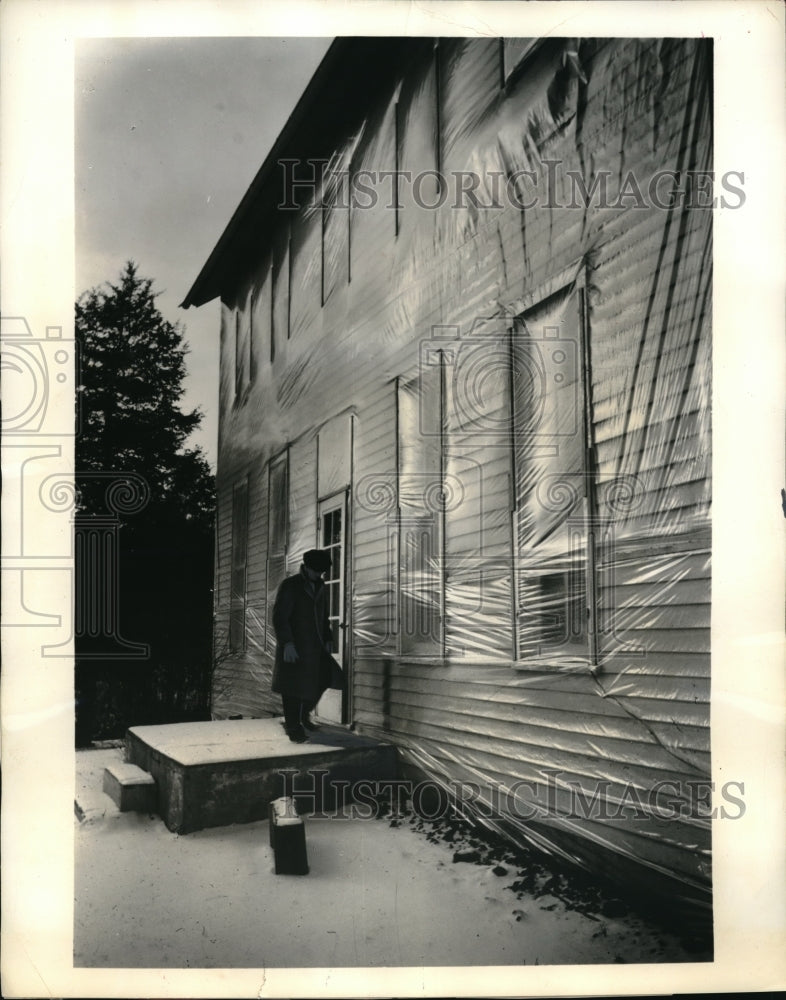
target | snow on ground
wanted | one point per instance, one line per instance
(381, 892)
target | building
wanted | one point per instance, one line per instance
(465, 343)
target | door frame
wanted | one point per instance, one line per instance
(339, 500)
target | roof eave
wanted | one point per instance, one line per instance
(208, 284)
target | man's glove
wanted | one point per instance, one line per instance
(290, 653)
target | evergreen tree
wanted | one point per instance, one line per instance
(132, 363)
(132, 368)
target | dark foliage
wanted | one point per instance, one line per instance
(158, 521)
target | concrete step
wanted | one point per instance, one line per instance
(91, 803)
(129, 787)
(216, 773)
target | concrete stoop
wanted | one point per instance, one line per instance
(216, 773)
(130, 788)
(91, 803)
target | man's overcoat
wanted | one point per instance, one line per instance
(300, 616)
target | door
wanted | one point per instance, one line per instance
(332, 538)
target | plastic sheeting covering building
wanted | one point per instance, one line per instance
(469, 351)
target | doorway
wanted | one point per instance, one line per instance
(332, 706)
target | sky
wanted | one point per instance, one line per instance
(169, 133)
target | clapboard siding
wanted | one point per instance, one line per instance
(528, 727)
(564, 691)
(585, 700)
(375, 557)
(530, 762)
(418, 279)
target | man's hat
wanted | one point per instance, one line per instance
(317, 559)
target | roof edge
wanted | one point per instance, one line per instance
(204, 288)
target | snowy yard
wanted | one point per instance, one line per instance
(381, 892)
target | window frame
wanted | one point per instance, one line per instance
(539, 660)
(511, 73)
(243, 351)
(281, 278)
(276, 551)
(335, 185)
(282, 459)
(238, 597)
(416, 386)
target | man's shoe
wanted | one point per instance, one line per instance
(297, 735)
(311, 726)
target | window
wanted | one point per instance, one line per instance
(252, 349)
(261, 319)
(398, 139)
(437, 103)
(269, 303)
(332, 539)
(238, 353)
(280, 297)
(418, 145)
(242, 344)
(554, 490)
(421, 511)
(237, 601)
(514, 52)
(277, 526)
(305, 270)
(335, 228)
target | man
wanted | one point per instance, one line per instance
(304, 668)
